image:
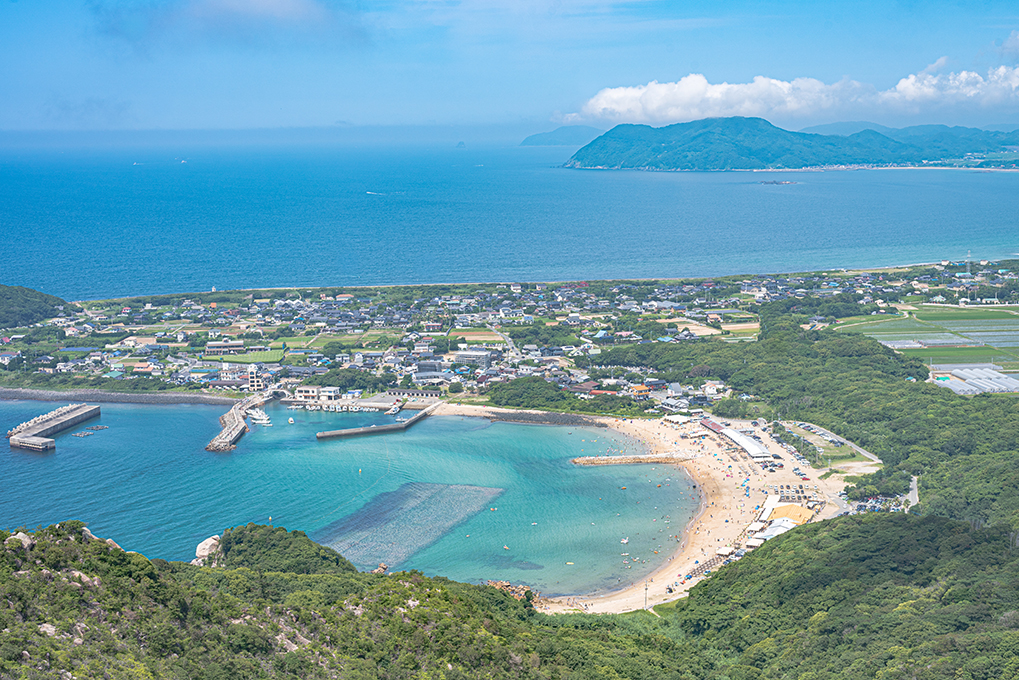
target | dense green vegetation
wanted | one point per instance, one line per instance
(65, 381)
(890, 596)
(754, 143)
(266, 548)
(20, 306)
(537, 393)
(863, 391)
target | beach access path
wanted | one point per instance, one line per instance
(725, 510)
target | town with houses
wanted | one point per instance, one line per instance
(460, 341)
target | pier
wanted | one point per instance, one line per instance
(395, 427)
(233, 425)
(34, 434)
(672, 457)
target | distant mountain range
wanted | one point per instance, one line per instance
(755, 144)
(568, 135)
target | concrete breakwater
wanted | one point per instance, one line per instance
(395, 427)
(671, 457)
(33, 435)
(233, 425)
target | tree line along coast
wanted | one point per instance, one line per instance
(924, 594)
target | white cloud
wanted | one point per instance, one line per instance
(693, 97)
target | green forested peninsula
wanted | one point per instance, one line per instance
(891, 596)
(755, 144)
(20, 306)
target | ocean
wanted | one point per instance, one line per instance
(458, 497)
(87, 225)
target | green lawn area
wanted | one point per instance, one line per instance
(935, 314)
(295, 341)
(868, 318)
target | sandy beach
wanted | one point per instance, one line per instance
(726, 510)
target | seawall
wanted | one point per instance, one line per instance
(113, 397)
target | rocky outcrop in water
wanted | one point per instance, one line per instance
(207, 553)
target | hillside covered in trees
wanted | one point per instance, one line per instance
(20, 306)
(755, 144)
(890, 596)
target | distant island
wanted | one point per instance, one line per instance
(755, 144)
(568, 135)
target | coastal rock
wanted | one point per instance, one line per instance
(206, 549)
(27, 541)
(91, 582)
(87, 536)
(48, 629)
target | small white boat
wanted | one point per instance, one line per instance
(625, 540)
(291, 421)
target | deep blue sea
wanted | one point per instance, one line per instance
(507, 501)
(87, 225)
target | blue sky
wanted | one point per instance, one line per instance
(237, 64)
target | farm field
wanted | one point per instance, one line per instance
(476, 336)
(946, 336)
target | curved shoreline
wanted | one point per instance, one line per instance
(28, 394)
(709, 481)
(724, 513)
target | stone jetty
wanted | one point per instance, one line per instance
(671, 457)
(233, 425)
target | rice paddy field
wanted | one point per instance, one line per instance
(950, 335)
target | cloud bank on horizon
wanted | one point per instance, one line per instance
(693, 97)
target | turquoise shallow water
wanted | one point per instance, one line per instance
(148, 483)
